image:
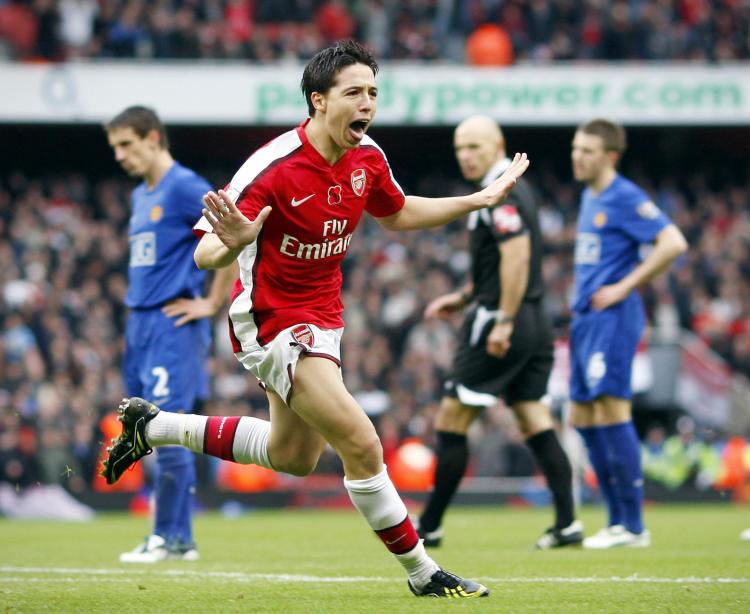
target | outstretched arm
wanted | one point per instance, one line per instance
(420, 212)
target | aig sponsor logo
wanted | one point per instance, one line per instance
(143, 249)
(588, 248)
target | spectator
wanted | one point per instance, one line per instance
(540, 31)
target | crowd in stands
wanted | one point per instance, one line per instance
(501, 31)
(63, 255)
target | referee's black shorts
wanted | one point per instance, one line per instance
(478, 378)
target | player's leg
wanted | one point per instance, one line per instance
(154, 547)
(476, 380)
(616, 333)
(294, 446)
(153, 368)
(590, 337)
(586, 420)
(452, 451)
(185, 547)
(534, 342)
(625, 461)
(321, 399)
(173, 496)
(284, 443)
(538, 429)
(175, 371)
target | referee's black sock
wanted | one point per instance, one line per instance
(555, 466)
(452, 458)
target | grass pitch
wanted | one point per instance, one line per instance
(329, 562)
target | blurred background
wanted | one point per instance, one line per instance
(224, 75)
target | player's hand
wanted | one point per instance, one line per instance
(606, 296)
(499, 189)
(189, 309)
(443, 306)
(229, 223)
(498, 341)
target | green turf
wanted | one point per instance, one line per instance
(287, 561)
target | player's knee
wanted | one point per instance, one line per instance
(298, 460)
(364, 451)
(300, 465)
(454, 417)
(532, 418)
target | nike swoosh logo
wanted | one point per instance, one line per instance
(398, 539)
(297, 203)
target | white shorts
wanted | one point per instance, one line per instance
(274, 364)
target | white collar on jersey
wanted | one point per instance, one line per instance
(497, 169)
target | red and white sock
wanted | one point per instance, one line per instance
(240, 439)
(378, 501)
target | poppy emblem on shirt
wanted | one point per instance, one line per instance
(359, 179)
(156, 213)
(303, 335)
(334, 195)
(600, 219)
(506, 219)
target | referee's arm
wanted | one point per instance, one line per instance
(515, 261)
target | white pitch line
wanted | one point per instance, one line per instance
(27, 574)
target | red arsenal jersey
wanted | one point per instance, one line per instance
(291, 274)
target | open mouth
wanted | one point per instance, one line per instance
(358, 128)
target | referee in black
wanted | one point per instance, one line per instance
(506, 342)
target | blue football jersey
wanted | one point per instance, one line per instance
(612, 226)
(162, 242)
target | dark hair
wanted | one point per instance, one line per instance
(320, 72)
(142, 120)
(611, 134)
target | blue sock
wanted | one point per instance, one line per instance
(184, 530)
(625, 462)
(596, 444)
(175, 485)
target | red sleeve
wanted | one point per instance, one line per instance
(386, 196)
(252, 198)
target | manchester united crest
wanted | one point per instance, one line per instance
(156, 213)
(303, 335)
(359, 179)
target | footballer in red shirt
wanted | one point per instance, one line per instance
(288, 217)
